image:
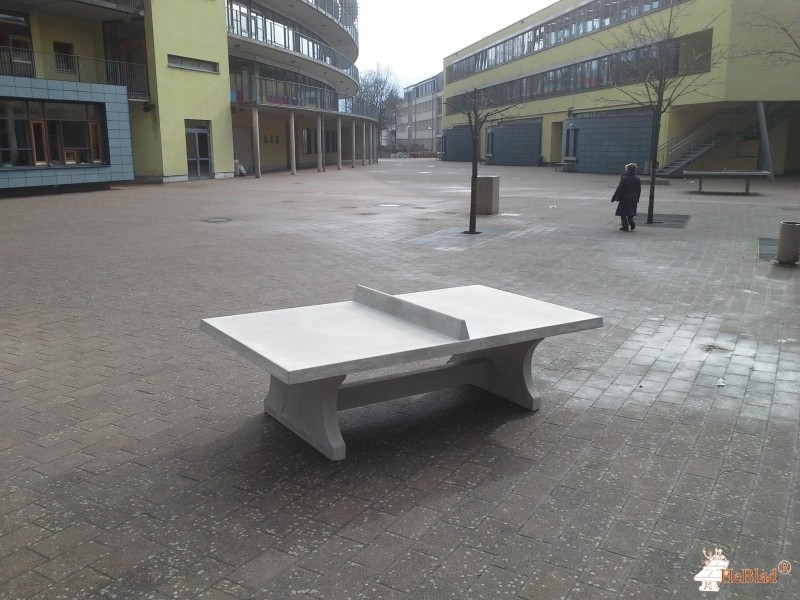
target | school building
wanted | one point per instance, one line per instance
(570, 76)
(94, 92)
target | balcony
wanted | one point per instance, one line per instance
(130, 5)
(339, 13)
(271, 92)
(89, 10)
(18, 62)
(298, 51)
(254, 33)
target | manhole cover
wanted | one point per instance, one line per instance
(217, 220)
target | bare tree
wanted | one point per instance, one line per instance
(653, 65)
(479, 107)
(779, 26)
(391, 107)
(379, 86)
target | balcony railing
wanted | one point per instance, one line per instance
(268, 33)
(129, 5)
(67, 67)
(334, 10)
(264, 91)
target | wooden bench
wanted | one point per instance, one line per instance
(490, 336)
(567, 163)
(746, 175)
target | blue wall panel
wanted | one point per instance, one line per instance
(115, 100)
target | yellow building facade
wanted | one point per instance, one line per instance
(98, 91)
(570, 80)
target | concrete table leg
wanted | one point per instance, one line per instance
(309, 410)
(509, 373)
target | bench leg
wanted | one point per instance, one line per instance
(309, 410)
(508, 374)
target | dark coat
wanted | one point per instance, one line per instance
(627, 195)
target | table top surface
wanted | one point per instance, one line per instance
(326, 340)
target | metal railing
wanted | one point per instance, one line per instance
(259, 90)
(335, 11)
(720, 124)
(131, 5)
(258, 28)
(359, 107)
(67, 67)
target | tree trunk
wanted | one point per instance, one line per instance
(654, 162)
(473, 193)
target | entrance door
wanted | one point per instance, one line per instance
(198, 153)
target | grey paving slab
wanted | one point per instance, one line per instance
(136, 461)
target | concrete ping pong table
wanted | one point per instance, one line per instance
(308, 351)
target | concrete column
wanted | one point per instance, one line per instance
(339, 143)
(766, 153)
(320, 149)
(370, 145)
(375, 144)
(364, 143)
(353, 153)
(256, 144)
(292, 145)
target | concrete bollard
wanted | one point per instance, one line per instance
(789, 243)
(488, 194)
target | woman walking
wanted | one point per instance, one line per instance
(627, 195)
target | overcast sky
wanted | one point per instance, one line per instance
(412, 37)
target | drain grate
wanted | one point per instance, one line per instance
(767, 249)
(669, 221)
(455, 239)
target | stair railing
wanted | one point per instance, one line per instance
(719, 125)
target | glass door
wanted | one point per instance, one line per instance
(198, 153)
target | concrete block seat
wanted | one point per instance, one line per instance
(489, 334)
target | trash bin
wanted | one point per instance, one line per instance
(789, 243)
(488, 195)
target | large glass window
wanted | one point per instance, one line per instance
(682, 56)
(34, 133)
(583, 20)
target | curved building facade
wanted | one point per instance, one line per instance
(98, 91)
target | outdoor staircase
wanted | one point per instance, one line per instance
(676, 167)
(715, 130)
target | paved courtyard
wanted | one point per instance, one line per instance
(136, 461)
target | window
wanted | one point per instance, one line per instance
(309, 141)
(580, 21)
(65, 57)
(21, 56)
(689, 54)
(331, 139)
(40, 154)
(35, 133)
(192, 64)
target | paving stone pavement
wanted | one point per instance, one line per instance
(136, 461)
